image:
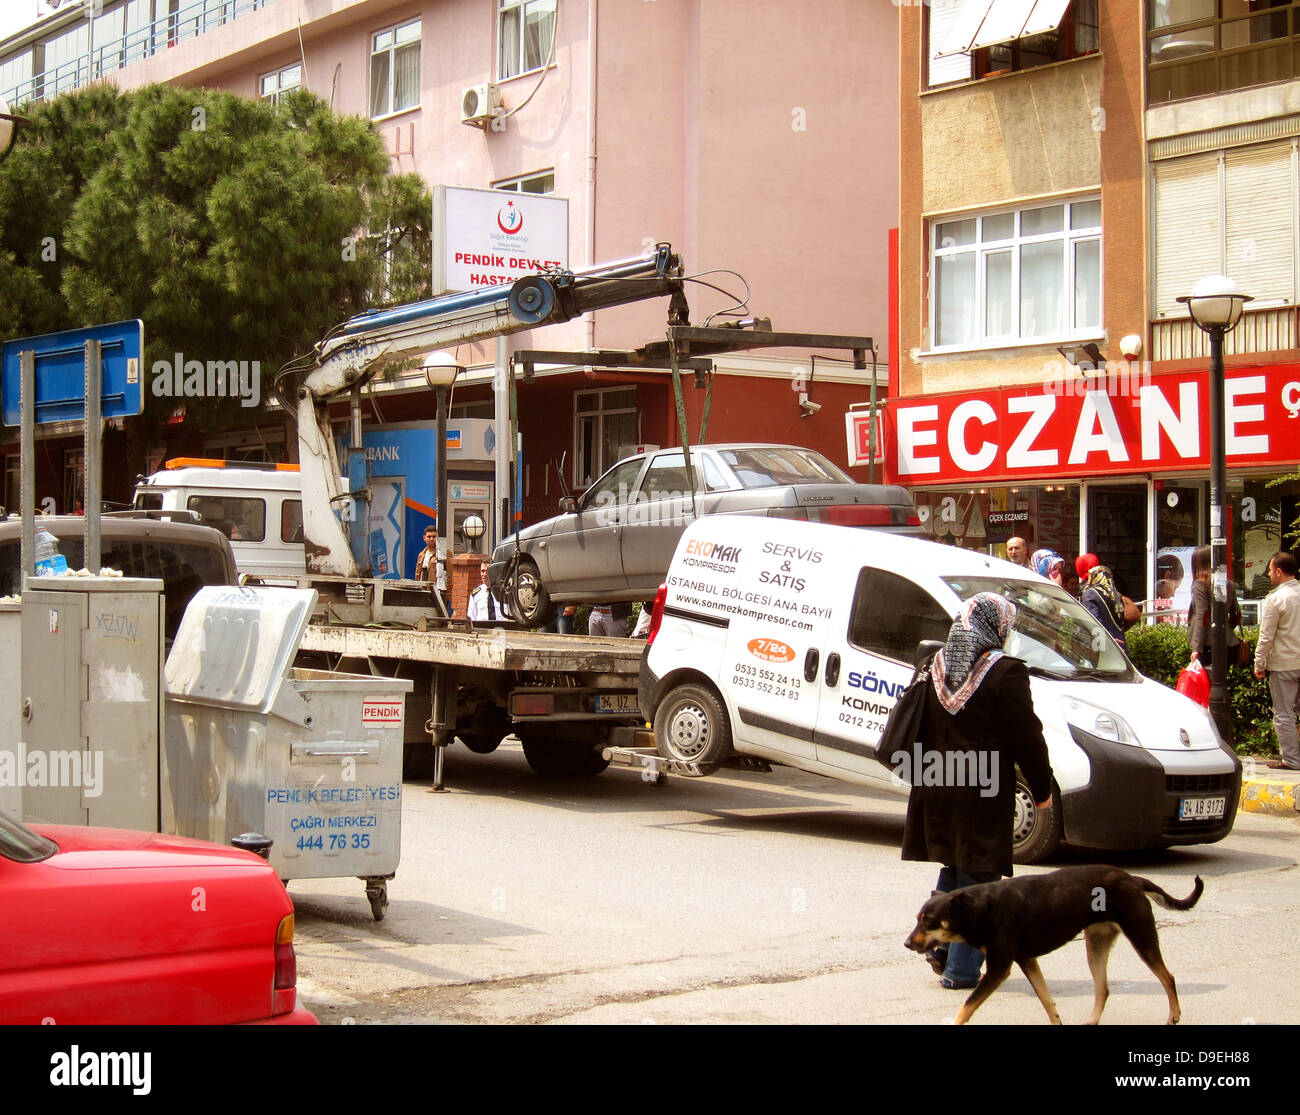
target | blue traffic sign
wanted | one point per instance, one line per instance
(61, 374)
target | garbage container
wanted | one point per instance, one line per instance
(310, 758)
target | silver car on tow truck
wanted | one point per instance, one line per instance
(615, 542)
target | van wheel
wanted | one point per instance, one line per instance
(691, 726)
(526, 595)
(1035, 833)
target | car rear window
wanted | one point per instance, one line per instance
(767, 468)
(239, 519)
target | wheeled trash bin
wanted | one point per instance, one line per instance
(310, 758)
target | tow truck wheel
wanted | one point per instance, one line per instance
(691, 726)
(1035, 833)
(552, 757)
(526, 595)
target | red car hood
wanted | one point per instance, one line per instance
(87, 848)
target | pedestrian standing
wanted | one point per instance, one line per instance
(483, 606)
(1199, 615)
(1277, 655)
(978, 704)
(1018, 552)
(426, 562)
(1049, 564)
(1102, 600)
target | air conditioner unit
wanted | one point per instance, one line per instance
(480, 104)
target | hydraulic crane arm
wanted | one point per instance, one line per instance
(356, 350)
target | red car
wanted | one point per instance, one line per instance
(110, 926)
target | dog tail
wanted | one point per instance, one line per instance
(1170, 903)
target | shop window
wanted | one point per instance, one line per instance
(524, 31)
(1227, 212)
(395, 69)
(1017, 275)
(980, 38)
(1197, 48)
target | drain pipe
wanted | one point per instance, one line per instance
(592, 27)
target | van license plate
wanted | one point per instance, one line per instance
(1201, 809)
(617, 702)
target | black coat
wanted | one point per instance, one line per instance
(957, 825)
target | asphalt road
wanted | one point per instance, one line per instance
(741, 898)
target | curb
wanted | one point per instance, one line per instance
(1268, 794)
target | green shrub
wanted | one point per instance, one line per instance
(1159, 650)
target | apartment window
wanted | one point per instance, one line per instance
(541, 183)
(395, 69)
(1200, 47)
(274, 85)
(1031, 274)
(1230, 212)
(524, 31)
(979, 38)
(605, 423)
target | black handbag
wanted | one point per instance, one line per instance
(906, 719)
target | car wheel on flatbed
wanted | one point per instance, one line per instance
(1035, 833)
(691, 726)
(526, 595)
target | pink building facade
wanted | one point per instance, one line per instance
(755, 138)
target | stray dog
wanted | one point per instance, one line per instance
(1018, 920)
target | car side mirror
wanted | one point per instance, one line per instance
(568, 504)
(926, 650)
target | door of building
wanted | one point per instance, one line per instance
(1117, 533)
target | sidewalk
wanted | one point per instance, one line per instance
(1268, 791)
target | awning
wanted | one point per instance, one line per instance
(982, 23)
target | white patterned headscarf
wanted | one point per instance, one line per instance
(974, 644)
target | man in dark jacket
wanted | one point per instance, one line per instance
(979, 726)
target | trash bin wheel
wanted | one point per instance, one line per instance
(378, 895)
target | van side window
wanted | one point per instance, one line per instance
(892, 616)
(148, 501)
(291, 520)
(239, 519)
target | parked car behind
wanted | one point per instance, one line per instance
(105, 926)
(616, 541)
(183, 555)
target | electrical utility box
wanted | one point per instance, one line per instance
(91, 709)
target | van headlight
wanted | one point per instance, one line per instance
(1098, 721)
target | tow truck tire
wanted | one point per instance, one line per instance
(526, 595)
(1035, 833)
(560, 758)
(481, 743)
(691, 726)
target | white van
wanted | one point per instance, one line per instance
(790, 642)
(259, 508)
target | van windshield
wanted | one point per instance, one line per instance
(1054, 636)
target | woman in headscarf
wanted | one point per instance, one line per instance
(979, 725)
(1049, 564)
(1100, 596)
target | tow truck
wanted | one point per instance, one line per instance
(570, 699)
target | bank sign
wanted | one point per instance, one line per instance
(1126, 423)
(484, 238)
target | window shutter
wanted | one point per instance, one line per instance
(1260, 223)
(956, 67)
(1187, 231)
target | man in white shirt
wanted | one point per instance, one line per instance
(483, 606)
(1018, 552)
(1277, 655)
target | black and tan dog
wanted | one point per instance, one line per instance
(1014, 921)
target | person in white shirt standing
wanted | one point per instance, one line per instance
(1277, 655)
(483, 606)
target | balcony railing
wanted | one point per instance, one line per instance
(1269, 329)
(190, 21)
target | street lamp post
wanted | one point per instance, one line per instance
(1215, 305)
